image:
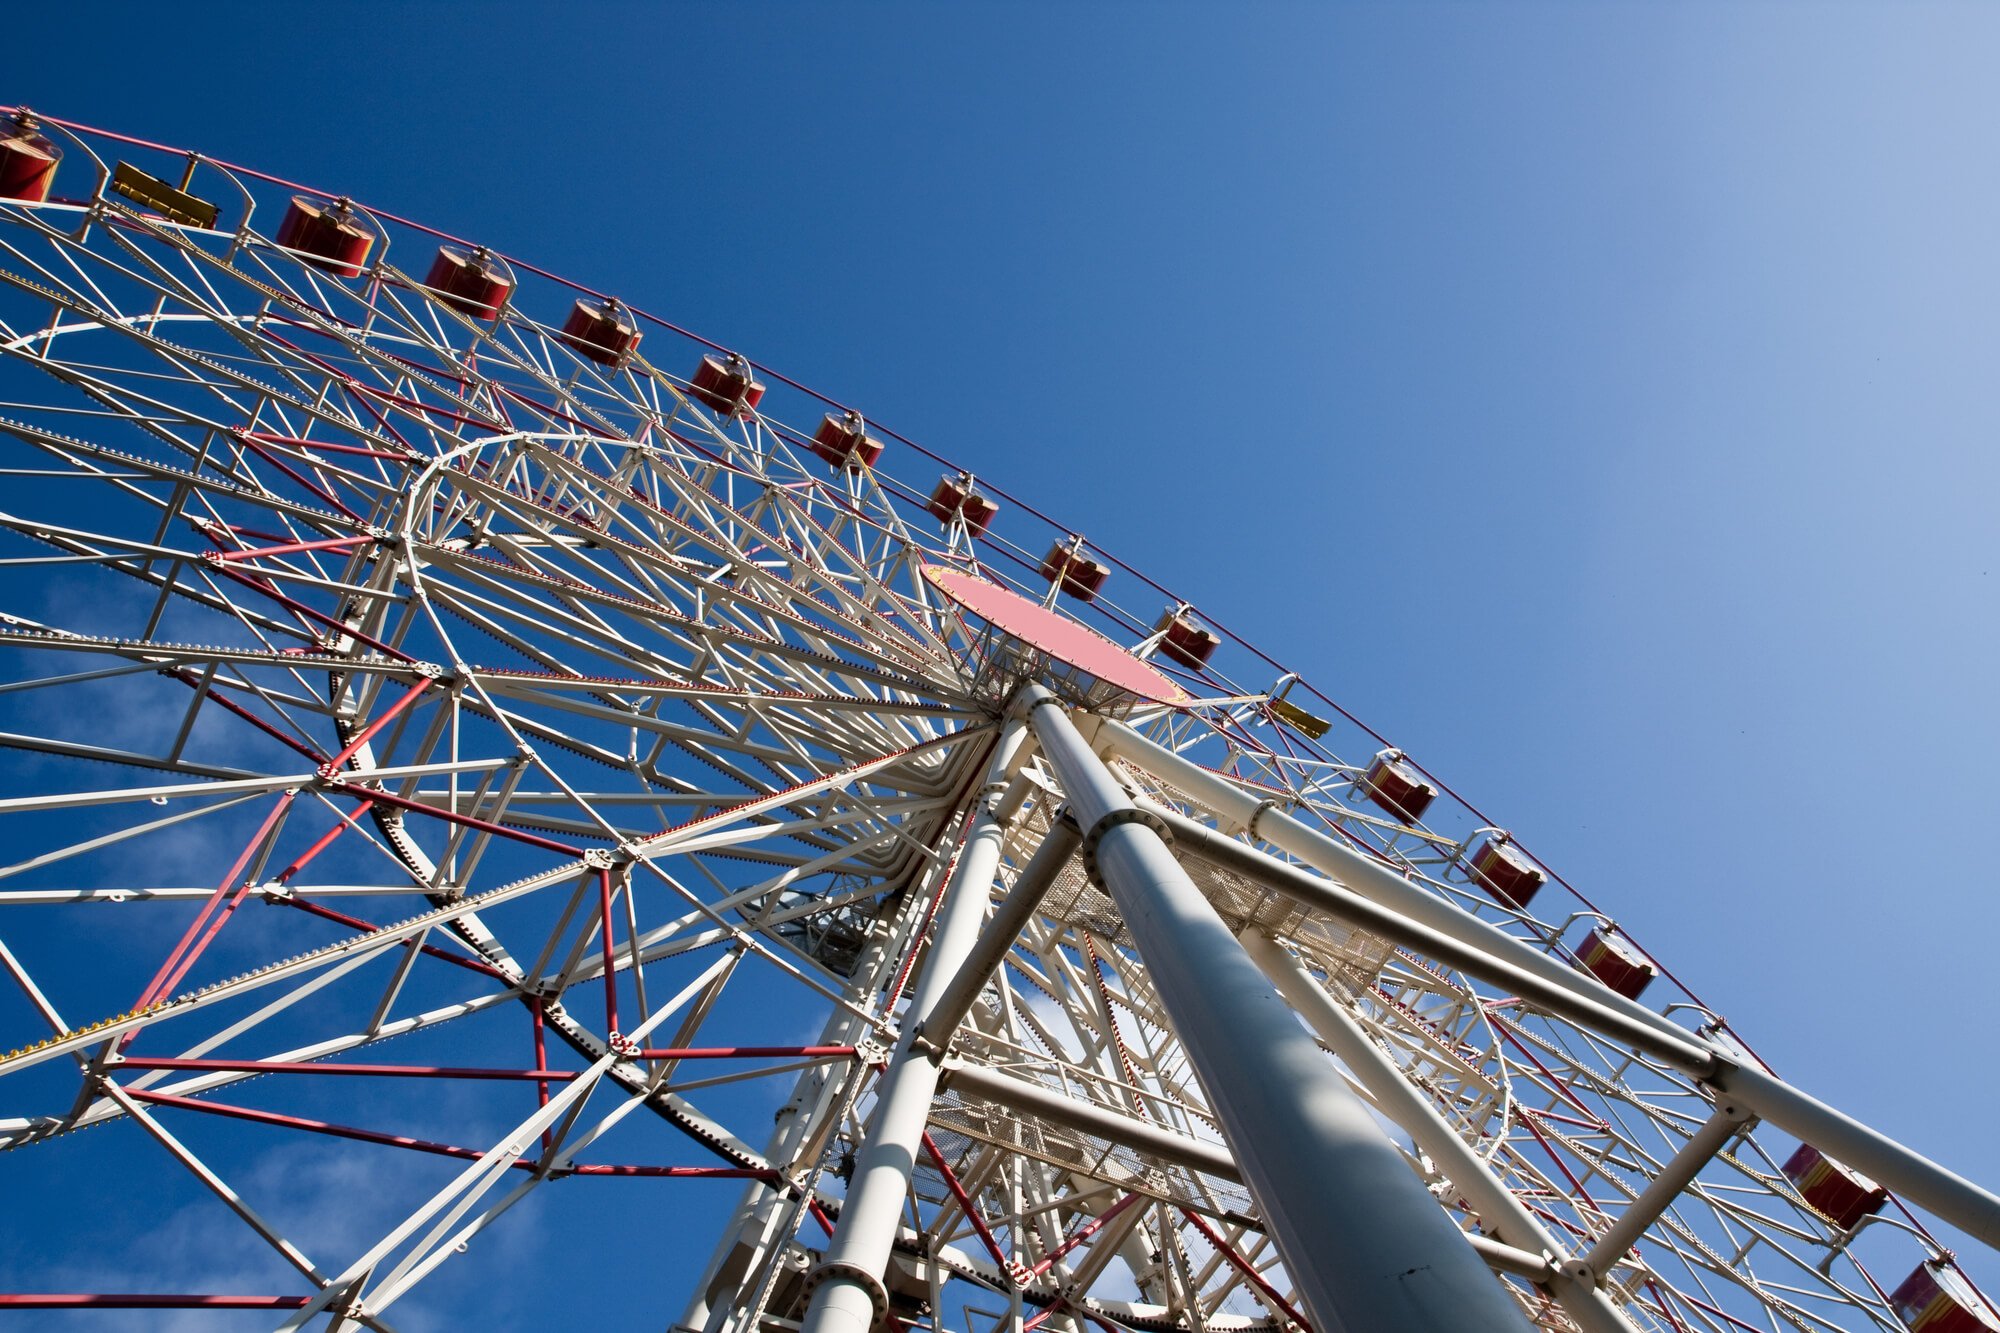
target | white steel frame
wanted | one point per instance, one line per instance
(560, 708)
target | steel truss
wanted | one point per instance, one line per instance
(608, 754)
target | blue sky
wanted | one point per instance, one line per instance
(1595, 399)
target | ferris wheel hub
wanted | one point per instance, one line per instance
(1031, 642)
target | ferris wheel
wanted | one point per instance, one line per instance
(429, 677)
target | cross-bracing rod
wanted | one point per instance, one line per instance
(1677, 1174)
(847, 1291)
(1369, 1248)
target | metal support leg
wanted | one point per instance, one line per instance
(1013, 915)
(1494, 1204)
(1386, 889)
(1909, 1174)
(750, 1237)
(1659, 1195)
(1369, 1248)
(847, 1291)
(1919, 1180)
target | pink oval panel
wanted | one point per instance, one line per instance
(1057, 635)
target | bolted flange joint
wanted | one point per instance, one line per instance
(878, 1295)
(1250, 825)
(1131, 814)
(1027, 707)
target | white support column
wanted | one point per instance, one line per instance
(1494, 1204)
(1909, 1174)
(1918, 1179)
(1009, 920)
(1573, 998)
(1369, 1248)
(751, 1235)
(1372, 880)
(847, 1291)
(1018, 1094)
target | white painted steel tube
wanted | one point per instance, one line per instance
(1916, 1178)
(848, 1295)
(1576, 1002)
(752, 1228)
(1493, 1203)
(1009, 919)
(1660, 1192)
(1364, 875)
(1045, 1103)
(1369, 1248)
(1505, 1258)
(1909, 1174)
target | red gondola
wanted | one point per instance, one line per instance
(28, 160)
(1186, 640)
(1613, 960)
(336, 239)
(958, 497)
(1500, 869)
(1081, 576)
(726, 385)
(1840, 1194)
(476, 282)
(602, 331)
(1394, 784)
(1936, 1298)
(843, 440)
